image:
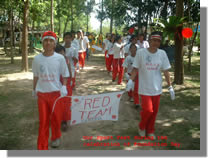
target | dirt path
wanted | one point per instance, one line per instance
(177, 121)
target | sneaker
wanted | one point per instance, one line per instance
(55, 143)
(152, 136)
(142, 133)
(132, 100)
(137, 105)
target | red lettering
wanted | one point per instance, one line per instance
(95, 100)
(82, 114)
(103, 113)
(90, 113)
(106, 98)
(87, 103)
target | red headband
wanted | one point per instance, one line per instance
(156, 36)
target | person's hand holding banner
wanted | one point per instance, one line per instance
(63, 91)
(107, 56)
(130, 85)
(172, 93)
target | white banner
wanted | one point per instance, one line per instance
(95, 107)
(96, 48)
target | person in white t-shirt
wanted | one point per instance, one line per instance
(109, 53)
(128, 62)
(105, 49)
(81, 49)
(118, 59)
(86, 45)
(133, 40)
(47, 68)
(141, 42)
(72, 55)
(150, 62)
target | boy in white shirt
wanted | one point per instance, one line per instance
(109, 53)
(81, 49)
(133, 40)
(150, 62)
(118, 59)
(105, 49)
(141, 42)
(47, 68)
(133, 94)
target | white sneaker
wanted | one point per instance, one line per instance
(142, 133)
(152, 136)
(55, 143)
(132, 100)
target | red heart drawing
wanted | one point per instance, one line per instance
(74, 121)
(113, 116)
(119, 95)
(76, 100)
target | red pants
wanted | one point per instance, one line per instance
(110, 63)
(118, 69)
(45, 105)
(82, 59)
(150, 106)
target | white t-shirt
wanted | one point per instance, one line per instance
(106, 41)
(110, 48)
(126, 48)
(75, 44)
(144, 44)
(150, 66)
(70, 53)
(81, 45)
(117, 51)
(48, 70)
(128, 62)
(85, 42)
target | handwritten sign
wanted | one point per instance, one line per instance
(95, 107)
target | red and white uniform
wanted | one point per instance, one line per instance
(109, 49)
(48, 70)
(118, 59)
(106, 41)
(150, 84)
(128, 62)
(82, 53)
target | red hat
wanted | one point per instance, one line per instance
(50, 35)
(156, 37)
(187, 32)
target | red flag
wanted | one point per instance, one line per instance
(131, 30)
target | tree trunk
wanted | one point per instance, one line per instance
(139, 19)
(66, 23)
(87, 22)
(179, 65)
(101, 20)
(111, 20)
(72, 15)
(191, 47)
(52, 20)
(11, 36)
(59, 19)
(25, 37)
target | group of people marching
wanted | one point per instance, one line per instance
(119, 57)
(54, 76)
(142, 63)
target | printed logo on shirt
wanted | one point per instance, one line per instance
(42, 69)
(149, 59)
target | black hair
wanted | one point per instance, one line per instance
(117, 38)
(59, 48)
(67, 34)
(156, 33)
(132, 37)
(141, 34)
(132, 46)
(72, 31)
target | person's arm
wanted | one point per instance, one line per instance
(133, 73)
(35, 80)
(167, 77)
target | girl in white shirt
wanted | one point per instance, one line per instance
(118, 59)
